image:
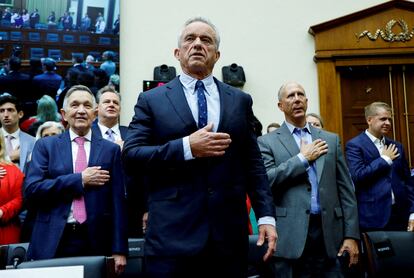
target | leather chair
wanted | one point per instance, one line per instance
(37, 52)
(255, 259)
(135, 260)
(94, 266)
(388, 254)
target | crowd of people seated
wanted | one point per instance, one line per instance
(23, 19)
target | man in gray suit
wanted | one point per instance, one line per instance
(312, 190)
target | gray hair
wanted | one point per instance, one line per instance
(283, 88)
(78, 88)
(203, 20)
(106, 89)
(47, 125)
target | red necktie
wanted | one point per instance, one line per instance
(78, 205)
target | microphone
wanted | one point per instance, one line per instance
(19, 255)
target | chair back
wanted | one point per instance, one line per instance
(94, 266)
(135, 260)
(388, 253)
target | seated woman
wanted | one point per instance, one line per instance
(10, 198)
(46, 111)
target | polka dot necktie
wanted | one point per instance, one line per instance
(202, 104)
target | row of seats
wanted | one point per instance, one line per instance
(51, 37)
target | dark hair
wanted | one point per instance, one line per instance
(6, 97)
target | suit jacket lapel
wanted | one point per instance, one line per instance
(287, 140)
(320, 162)
(226, 101)
(177, 98)
(96, 149)
(65, 147)
(369, 145)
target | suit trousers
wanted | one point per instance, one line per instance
(215, 260)
(74, 242)
(314, 262)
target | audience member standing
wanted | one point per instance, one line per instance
(10, 198)
(107, 124)
(312, 190)
(379, 169)
(75, 180)
(209, 160)
(19, 144)
(49, 81)
(314, 120)
(16, 82)
(100, 25)
(34, 18)
(108, 65)
(85, 23)
(46, 111)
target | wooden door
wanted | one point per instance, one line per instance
(393, 84)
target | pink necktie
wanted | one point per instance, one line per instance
(79, 210)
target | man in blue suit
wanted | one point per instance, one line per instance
(79, 212)
(384, 189)
(200, 160)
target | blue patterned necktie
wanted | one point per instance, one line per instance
(202, 104)
(110, 134)
(312, 174)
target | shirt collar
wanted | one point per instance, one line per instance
(104, 129)
(73, 135)
(14, 134)
(373, 138)
(189, 82)
(292, 127)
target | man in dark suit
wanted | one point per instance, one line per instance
(79, 212)
(48, 82)
(107, 126)
(313, 193)
(384, 189)
(199, 164)
(16, 83)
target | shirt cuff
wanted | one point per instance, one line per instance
(387, 159)
(187, 149)
(304, 161)
(411, 216)
(269, 220)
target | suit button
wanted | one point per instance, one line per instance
(210, 190)
(307, 211)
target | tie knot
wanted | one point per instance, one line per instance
(199, 85)
(80, 141)
(109, 132)
(10, 137)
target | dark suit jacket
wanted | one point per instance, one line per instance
(374, 179)
(135, 192)
(51, 185)
(16, 83)
(292, 192)
(190, 201)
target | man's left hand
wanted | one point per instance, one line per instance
(267, 232)
(351, 246)
(120, 263)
